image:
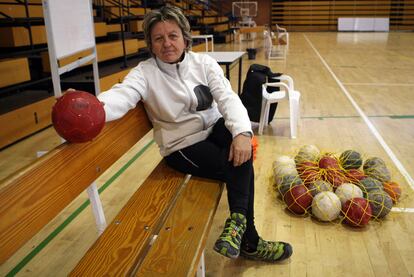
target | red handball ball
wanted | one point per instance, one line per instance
(355, 175)
(309, 176)
(328, 162)
(335, 177)
(298, 199)
(306, 165)
(357, 212)
(78, 116)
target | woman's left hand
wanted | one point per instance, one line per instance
(240, 150)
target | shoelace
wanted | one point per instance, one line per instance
(268, 249)
(235, 231)
(232, 230)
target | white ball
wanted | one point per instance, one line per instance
(309, 153)
(283, 160)
(326, 206)
(311, 149)
(285, 170)
(347, 191)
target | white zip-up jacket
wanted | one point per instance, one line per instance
(182, 100)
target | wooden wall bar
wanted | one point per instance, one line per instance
(323, 15)
(19, 11)
(113, 12)
(16, 36)
(106, 51)
(25, 121)
(14, 71)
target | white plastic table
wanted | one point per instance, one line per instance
(228, 58)
(206, 38)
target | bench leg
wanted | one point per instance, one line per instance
(40, 153)
(97, 208)
(95, 203)
(201, 271)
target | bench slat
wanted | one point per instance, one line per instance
(257, 29)
(36, 194)
(178, 247)
(126, 239)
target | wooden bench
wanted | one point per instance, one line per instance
(161, 230)
(250, 32)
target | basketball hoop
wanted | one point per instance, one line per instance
(245, 11)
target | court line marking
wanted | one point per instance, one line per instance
(371, 127)
(396, 116)
(381, 84)
(402, 210)
(74, 214)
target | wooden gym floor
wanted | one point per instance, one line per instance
(357, 93)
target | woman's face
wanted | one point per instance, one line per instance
(167, 41)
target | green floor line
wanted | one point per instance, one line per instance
(401, 116)
(71, 217)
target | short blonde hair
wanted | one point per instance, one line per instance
(167, 13)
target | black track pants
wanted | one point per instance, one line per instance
(209, 159)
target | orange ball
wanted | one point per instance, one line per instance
(393, 189)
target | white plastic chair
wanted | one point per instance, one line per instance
(287, 92)
(275, 51)
(282, 35)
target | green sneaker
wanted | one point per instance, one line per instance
(269, 251)
(228, 244)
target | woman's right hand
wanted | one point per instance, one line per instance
(240, 150)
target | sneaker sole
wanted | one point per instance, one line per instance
(281, 259)
(225, 253)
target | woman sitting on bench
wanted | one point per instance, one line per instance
(200, 125)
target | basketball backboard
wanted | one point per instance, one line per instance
(244, 9)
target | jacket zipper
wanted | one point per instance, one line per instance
(190, 95)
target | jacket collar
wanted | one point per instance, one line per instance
(171, 69)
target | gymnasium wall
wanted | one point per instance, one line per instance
(322, 15)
